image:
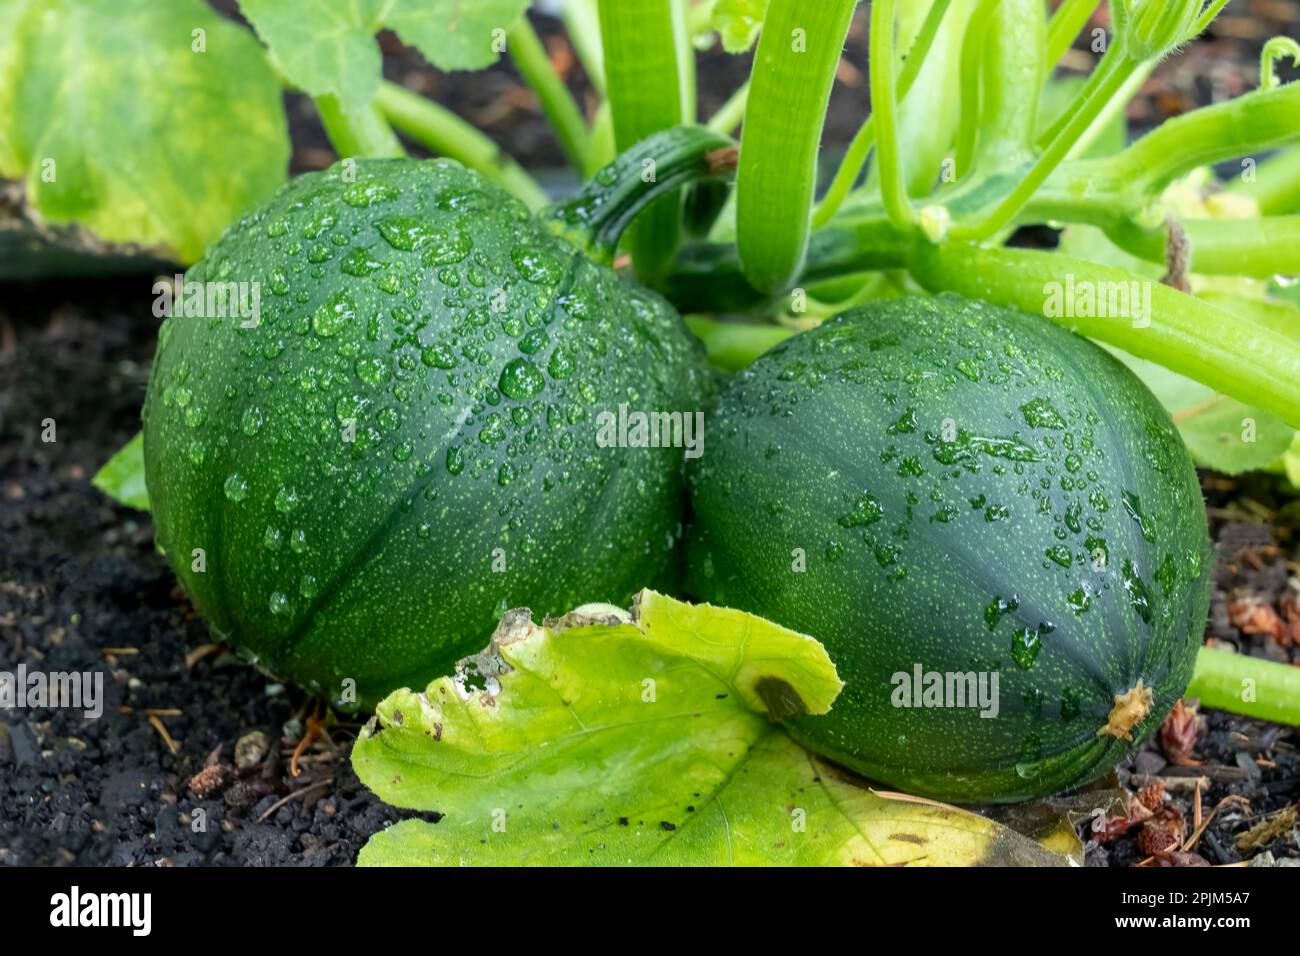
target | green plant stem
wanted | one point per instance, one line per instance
(1256, 121)
(362, 133)
(645, 86)
(972, 51)
(1109, 64)
(893, 188)
(1051, 157)
(1013, 69)
(1275, 186)
(1207, 17)
(582, 24)
(1186, 335)
(1118, 103)
(733, 346)
(445, 133)
(1258, 247)
(731, 113)
(535, 66)
(794, 69)
(855, 157)
(1066, 23)
(598, 215)
(707, 277)
(1244, 247)
(1247, 685)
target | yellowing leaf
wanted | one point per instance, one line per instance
(146, 124)
(614, 739)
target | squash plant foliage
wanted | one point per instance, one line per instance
(962, 480)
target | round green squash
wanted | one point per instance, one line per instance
(404, 444)
(944, 492)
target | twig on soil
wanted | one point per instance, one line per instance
(315, 728)
(200, 652)
(321, 785)
(162, 732)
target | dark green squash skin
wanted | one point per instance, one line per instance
(832, 443)
(373, 559)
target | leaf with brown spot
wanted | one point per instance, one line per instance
(617, 741)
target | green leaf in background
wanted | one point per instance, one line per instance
(122, 477)
(328, 46)
(1221, 432)
(604, 738)
(154, 125)
(737, 22)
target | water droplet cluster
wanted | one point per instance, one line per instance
(420, 387)
(976, 490)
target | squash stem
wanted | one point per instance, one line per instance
(884, 106)
(657, 166)
(364, 133)
(535, 66)
(1247, 685)
(732, 346)
(445, 133)
(855, 157)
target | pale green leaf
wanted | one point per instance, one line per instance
(738, 22)
(328, 46)
(610, 739)
(1220, 432)
(122, 477)
(144, 124)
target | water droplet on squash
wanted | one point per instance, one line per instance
(521, 379)
(333, 315)
(1040, 413)
(236, 487)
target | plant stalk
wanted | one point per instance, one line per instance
(445, 133)
(1247, 685)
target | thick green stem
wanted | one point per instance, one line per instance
(445, 133)
(884, 105)
(972, 50)
(597, 216)
(1077, 125)
(1257, 121)
(1274, 184)
(790, 85)
(1069, 18)
(733, 346)
(1187, 335)
(1244, 247)
(535, 66)
(1247, 685)
(707, 277)
(362, 133)
(1013, 67)
(645, 82)
(855, 157)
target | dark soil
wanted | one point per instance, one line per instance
(82, 589)
(187, 727)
